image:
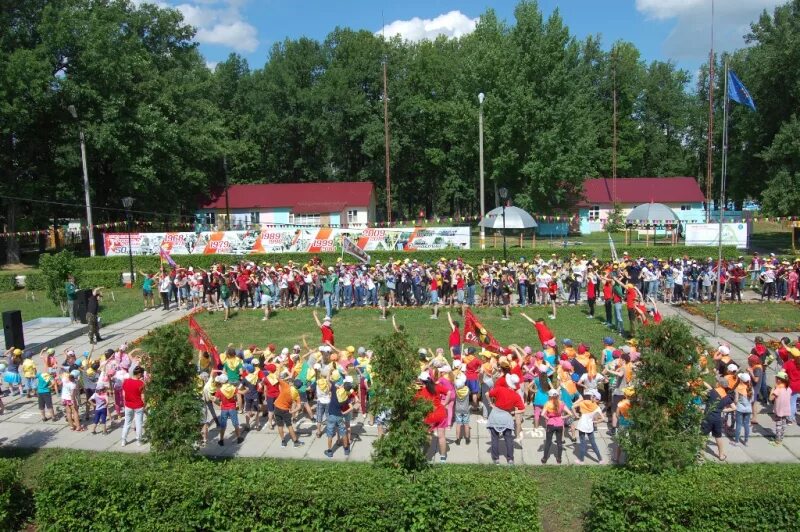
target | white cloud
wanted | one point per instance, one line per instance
(691, 36)
(217, 22)
(452, 24)
(238, 35)
(212, 65)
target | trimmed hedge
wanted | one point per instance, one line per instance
(473, 256)
(15, 501)
(710, 497)
(122, 492)
(7, 282)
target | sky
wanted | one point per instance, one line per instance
(677, 30)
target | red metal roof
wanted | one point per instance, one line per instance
(301, 198)
(642, 190)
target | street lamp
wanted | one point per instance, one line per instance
(481, 97)
(127, 202)
(74, 112)
(503, 195)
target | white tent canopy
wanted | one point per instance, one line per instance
(652, 214)
(516, 218)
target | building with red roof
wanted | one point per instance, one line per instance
(349, 204)
(682, 194)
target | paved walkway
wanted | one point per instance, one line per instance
(21, 426)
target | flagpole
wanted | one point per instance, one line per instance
(722, 193)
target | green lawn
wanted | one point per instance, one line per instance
(754, 317)
(118, 304)
(358, 326)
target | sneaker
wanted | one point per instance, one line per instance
(123, 443)
(579, 462)
(602, 461)
(467, 440)
(496, 462)
(239, 439)
(299, 443)
(443, 459)
(551, 317)
(284, 444)
(589, 317)
(347, 451)
(511, 462)
(329, 453)
(776, 443)
(458, 441)
(221, 442)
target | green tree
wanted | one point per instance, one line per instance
(665, 422)
(55, 269)
(174, 406)
(394, 375)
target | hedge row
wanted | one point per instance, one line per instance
(36, 281)
(121, 492)
(710, 497)
(15, 502)
(473, 256)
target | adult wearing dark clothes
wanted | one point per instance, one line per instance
(92, 308)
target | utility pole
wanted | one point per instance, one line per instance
(614, 127)
(227, 197)
(386, 142)
(710, 152)
(481, 97)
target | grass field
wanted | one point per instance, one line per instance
(34, 304)
(753, 317)
(358, 327)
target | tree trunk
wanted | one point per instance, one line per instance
(12, 242)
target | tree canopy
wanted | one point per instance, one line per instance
(159, 124)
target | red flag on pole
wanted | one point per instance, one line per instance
(476, 334)
(200, 340)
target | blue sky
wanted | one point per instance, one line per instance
(661, 29)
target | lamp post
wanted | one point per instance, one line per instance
(481, 97)
(503, 195)
(127, 202)
(74, 112)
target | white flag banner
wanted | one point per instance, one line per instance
(350, 247)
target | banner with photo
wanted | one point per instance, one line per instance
(287, 240)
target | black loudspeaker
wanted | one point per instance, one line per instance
(81, 300)
(12, 327)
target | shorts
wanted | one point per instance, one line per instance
(283, 418)
(321, 413)
(714, 427)
(473, 386)
(303, 397)
(66, 402)
(271, 404)
(460, 296)
(100, 415)
(462, 419)
(251, 405)
(335, 425)
(266, 300)
(225, 415)
(45, 401)
(208, 410)
(89, 393)
(147, 293)
(434, 297)
(226, 302)
(553, 297)
(456, 350)
(12, 378)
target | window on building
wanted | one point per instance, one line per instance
(304, 219)
(594, 213)
(686, 207)
(255, 218)
(210, 219)
(352, 217)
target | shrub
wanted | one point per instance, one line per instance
(395, 368)
(35, 281)
(712, 497)
(175, 411)
(473, 256)
(121, 492)
(665, 424)
(108, 279)
(55, 269)
(8, 282)
(15, 501)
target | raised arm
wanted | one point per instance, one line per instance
(316, 319)
(526, 317)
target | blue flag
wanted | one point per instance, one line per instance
(737, 91)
